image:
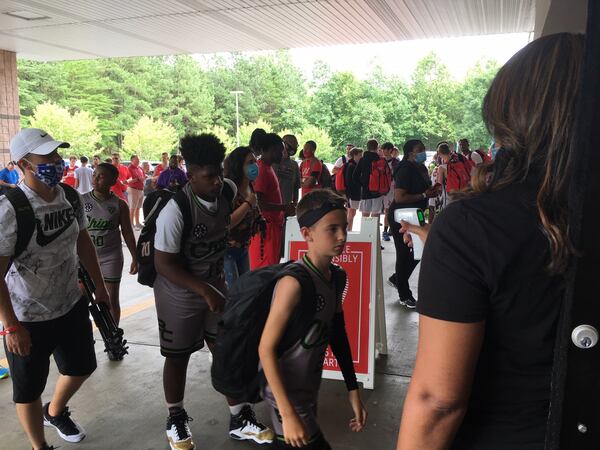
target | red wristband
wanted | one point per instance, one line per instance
(9, 330)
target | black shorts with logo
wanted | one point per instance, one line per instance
(69, 338)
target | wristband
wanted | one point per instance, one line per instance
(9, 330)
(249, 204)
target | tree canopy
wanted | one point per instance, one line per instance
(183, 94)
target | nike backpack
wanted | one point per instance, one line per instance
(380, 178)
(235, 367)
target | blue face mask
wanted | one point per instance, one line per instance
(50, 174)
(252, 171)
(421, 158)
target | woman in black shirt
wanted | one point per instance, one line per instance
(412, 190)
(491, 279)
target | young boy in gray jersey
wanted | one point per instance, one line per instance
(293, 379)
(190, 284)
(108, 218)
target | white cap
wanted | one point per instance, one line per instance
(33, 141)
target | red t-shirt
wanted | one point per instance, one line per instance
(310, 168)
(120, 187)
(268, 185)
(158, 170)
(137, 174)
(69, 176)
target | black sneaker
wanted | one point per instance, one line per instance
(67, 428)
(178, 431)
(244, 426)
(47, 447)
(409, 302)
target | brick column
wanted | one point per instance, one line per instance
(9, 102)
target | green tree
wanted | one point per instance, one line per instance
(149, 138)
(433, 101)
(79, 129)
(224, 137)
(325, 150)
(247, 129)
(470, 97)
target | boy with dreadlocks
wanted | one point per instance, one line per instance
(292, 380)
(190, 243)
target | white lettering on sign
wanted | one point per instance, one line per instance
(330, 362)
(345, 258)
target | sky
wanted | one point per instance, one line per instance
(400, 58)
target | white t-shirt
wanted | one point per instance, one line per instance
(43, 280)
(476, 158)
(169, 223)
(340, 161)
(84, 175)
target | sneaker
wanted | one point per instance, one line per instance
(244, 426)
(385, 236)
(409, 302)
(4, 373)
(392, 280)
(67, 428)
(48, 447)
(178, 431)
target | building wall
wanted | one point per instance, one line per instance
(9, 103)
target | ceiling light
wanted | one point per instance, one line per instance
(26, 15)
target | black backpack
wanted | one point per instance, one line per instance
(324, 177)
(152, 207)
(25, 216)
(235, 364)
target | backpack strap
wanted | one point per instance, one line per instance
(340, 279)
(228, 193)
(304, 311)
(72, 197)
(183, 202)
(25, 219)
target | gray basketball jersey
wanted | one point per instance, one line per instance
(302, 365)
(103, 223)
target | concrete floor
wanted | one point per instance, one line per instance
(122, 406)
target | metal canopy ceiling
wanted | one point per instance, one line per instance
(82, 29)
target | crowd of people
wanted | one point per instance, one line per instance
(490, 286)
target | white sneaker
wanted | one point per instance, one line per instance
(178, 431)
(244, 426)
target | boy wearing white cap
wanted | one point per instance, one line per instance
(41, 307)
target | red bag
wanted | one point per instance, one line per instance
(458, 173)
(340, 179)
(380, 178)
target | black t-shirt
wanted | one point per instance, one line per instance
(485, 260)
(415, 179)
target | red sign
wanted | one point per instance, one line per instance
(356, 261)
